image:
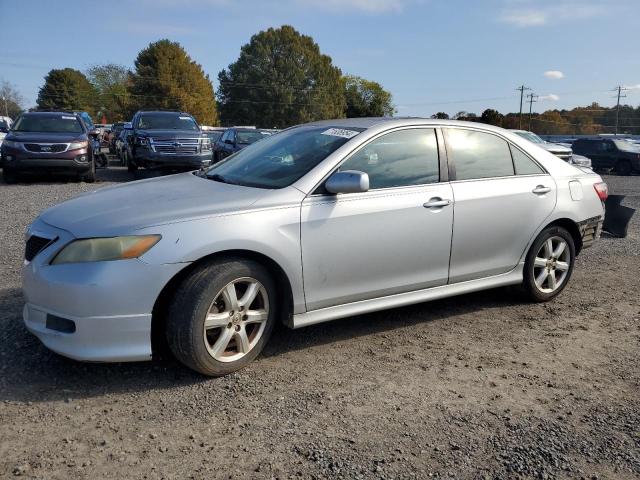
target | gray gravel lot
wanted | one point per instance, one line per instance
(479, 386)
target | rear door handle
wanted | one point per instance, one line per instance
(436, 202)
(541, 189)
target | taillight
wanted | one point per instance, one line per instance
(602, 190)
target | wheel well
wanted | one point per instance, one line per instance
(572, 228)
(159, 313)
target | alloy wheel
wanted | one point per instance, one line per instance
(236, 319)
(551, 265)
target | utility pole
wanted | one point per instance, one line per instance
(522, 88)
(620, 89)
(532, 98)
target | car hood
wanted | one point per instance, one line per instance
(169, 133)
(132, 206)
(45, 137)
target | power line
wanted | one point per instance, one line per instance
(620, 89)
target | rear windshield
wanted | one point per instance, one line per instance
(627, 146)
(247, 137)
(166, 122)
(48, 124)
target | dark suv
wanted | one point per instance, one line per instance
(167, 140)
(236, 138)
(621, 155)
(49, 142)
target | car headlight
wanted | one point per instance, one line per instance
(206, 143)
(11, 144)
(105, 249)
(78, 145)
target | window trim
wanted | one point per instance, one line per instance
(451, 160)
(439, 143)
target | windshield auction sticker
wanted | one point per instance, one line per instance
(64, 117)
(340, 132)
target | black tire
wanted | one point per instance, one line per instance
(9, 177)
(529, 285)
(185, 323)
(131, 167)
(90, 177)
(623, 167)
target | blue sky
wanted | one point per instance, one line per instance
(433, 55)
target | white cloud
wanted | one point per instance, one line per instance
(554, 74)
(530, 13)
(552, 97)
(632, 87)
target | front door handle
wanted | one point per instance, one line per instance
(436, 202)
(541, 189)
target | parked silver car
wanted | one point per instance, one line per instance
(322, 221)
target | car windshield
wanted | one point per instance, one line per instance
(48, 123)
(627, 146)
(247, 137)
(167, 122)
(532, 137)
(214, 135)
(279, 160)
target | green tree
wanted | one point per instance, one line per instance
(67, 89)
(492, 117)
(280, 78)
(366, 98)
(166, 78)
(11, 102)
(441, 116)
(111, 81)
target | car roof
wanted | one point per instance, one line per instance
(164, 112)
(391, 122)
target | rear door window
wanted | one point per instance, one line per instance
(478, 154)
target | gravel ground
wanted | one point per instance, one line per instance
(479, 386)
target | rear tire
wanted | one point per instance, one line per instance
(236, 298)
(623, 167)
(549, 264)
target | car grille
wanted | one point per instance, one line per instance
(175, 146)
(35, 245)
(45, 147)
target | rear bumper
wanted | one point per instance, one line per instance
(590, 230)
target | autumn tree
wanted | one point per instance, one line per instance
(280, 78)
(366, 98)
(166, 78)
(67, 89)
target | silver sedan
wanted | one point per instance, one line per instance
(319, 222)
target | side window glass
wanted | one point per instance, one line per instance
(402, 158)
(524, 165)
(478, 154)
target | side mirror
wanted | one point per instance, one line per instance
(228, 141)
(348, 181)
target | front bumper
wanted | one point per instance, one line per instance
(109, 304)
(20, 160)
(150, 159)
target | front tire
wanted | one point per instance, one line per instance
(549, 264)
(222, 316)
(90, 177)
(9, 177)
